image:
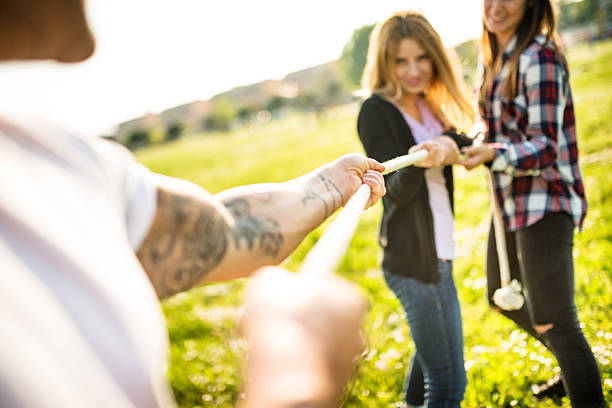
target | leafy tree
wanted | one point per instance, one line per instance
(245, 112)
(173, 132)
(467, 52)
(577, 13)
(277, 102)
(221, 115)
(306, 100)
(137, 139)
(355, 53)
(334, 90)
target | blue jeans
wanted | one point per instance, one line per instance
(437, 376)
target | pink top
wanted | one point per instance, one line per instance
(439, 201)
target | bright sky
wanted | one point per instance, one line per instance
(155, 54)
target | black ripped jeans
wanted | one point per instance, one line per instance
(540, 257)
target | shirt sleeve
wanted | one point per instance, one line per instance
(545, 88)
(135, 187)
(140, 204)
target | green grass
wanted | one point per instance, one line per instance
(206, 351)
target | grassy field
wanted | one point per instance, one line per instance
(501, 360)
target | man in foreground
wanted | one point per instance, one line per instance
(90, 241)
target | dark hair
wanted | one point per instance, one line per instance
(539, 18)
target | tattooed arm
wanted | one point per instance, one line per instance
(197, 237)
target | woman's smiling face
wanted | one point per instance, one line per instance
(413, 67)
(502, 17)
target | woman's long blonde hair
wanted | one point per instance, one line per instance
(445, 94)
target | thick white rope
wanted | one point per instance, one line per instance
(404, 161)
(324, 257)
(500, 238)
(509, 296)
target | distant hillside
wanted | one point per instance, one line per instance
(310, 84)
(312, 88)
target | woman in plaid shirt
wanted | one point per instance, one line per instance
(531, 150)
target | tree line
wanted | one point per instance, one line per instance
(226, 114)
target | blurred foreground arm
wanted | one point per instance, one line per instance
(304, 333)
(197, 237)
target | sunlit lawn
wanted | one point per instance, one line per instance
(501, 361)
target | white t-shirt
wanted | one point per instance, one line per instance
(80, 324)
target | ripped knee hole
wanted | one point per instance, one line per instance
(543, 328)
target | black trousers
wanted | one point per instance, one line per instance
(540, 257)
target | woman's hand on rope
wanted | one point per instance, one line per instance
(475, 155)
(442, 151)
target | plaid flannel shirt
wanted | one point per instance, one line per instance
(535, 170)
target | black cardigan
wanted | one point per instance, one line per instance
(406, 230)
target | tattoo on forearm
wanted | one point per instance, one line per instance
(185, 243)
(331, 188)
(328, 182)
(311, 195)
(188, 239)
(256, 232)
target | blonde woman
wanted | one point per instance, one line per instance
(418, 102)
